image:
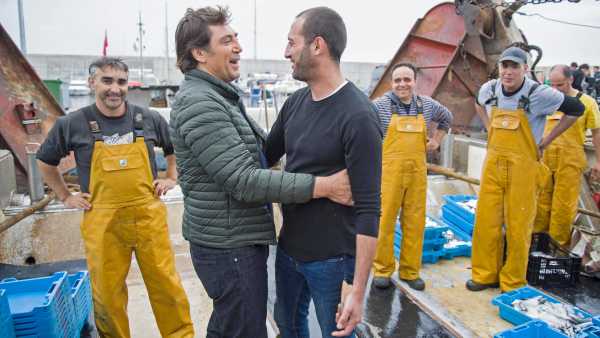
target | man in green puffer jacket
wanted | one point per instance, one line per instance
(223, 176)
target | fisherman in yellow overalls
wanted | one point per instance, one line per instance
(113, 142)
(557, 205)
(512, 172)
(406, 119)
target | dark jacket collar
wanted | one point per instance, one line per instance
(227, 90)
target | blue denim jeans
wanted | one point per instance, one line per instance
(236, 281)
(297, 282)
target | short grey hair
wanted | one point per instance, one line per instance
(108, 61)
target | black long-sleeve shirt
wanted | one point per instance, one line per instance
(321, 138)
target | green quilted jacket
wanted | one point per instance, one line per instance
(217, 149)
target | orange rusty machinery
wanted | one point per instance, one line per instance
(456, 47)
(27, 109)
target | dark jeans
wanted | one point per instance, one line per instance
(236, 281)
(296, 282)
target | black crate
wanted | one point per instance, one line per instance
(562, 270)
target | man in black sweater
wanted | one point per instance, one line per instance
(328, 126)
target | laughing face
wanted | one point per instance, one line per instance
(403, 83)
(110, 87)
(298, 52)
(222, 58)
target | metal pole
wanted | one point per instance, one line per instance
(34, 177)
(255, 30)
(22, 28)
(141, 34)
(167, 42)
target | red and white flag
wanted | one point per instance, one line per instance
(105, 45)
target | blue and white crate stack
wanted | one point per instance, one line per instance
(440, 241)
(55, 306)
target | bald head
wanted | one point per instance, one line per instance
(561, 78)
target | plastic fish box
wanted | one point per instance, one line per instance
(589, 332)
(533, 329)
(41, 307)
(427, 257)
(452, 202)
(463, 250)
(434, 244)
(452, 218)
(516, 317)
(560, 270)
(430, 232)
(81, 295)
(7, 329)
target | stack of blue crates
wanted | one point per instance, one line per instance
(55, 306)
(81, 295)
(530, 327)
(455, 214)
(460, 250)
(433, 243)
(7, 329)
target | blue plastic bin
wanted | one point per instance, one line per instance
(590, 332)
(41, 306)
(449, 216)
(452, 203)
(81, 295)
(508, 313)
(7, 329)
(429, 257)
(532, 329)
(434, 244)
(430, 232)
(460, 250)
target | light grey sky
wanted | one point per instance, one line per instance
(376, 28)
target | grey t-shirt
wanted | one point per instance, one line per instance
(72, 133)
(542, 102)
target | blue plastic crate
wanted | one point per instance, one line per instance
(7, 329)
(430, 232)
(81, 295)
(452, 218)
(430, 257)
(532, 329)
(590, 332)
(434, 244)
(452, 203)
(516, 317)
(596, 320)
(41, 306)
(460, 250)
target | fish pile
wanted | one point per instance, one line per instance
(429, 223)
(558, 315)
(470, 205)
(453, 241)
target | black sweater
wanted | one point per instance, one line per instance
(321, 138)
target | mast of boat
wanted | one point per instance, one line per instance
(167, 43)
(141, 45)
(22, 28)
(254, 30)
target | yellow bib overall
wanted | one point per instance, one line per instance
(510, 183)
(126, 217)
(557, 205)
(403, 186)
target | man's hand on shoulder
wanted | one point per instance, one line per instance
(78, 201)
(335, 187)
(162, 185)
